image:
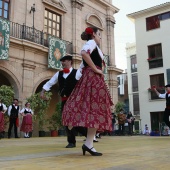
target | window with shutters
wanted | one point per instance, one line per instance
(133, 64)
(136, 108)
(158, 81)
(155, 56)
(152, 23)
(134, 82)
(52, 24)
(4, 8)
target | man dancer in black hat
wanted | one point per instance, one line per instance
(167, 97)
(67, 79)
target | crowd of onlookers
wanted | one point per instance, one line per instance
(123, 124)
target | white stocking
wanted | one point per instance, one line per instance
(90, 136)
(95, 138)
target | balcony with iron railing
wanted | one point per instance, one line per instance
(31, 34)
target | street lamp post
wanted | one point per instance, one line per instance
(33, 10)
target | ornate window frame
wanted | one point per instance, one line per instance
(91, 23)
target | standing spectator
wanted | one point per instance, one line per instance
(3, 109)
(130, 120)
(26, 125)
(13, 112)
(113, 122)
(121, 121)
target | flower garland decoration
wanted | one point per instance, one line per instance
(156, 87)
(150, 58)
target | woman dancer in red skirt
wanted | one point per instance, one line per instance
(3, 109)
(89, 104)
(26, 126)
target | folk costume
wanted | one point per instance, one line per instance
(3, 108)
(13, 112)
(89, 104)
(67, 80)
(26, 125)
(167, 109)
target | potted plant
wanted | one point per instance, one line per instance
(40, 107)
(55, 121)
(53, 125)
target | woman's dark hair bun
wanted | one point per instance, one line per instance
(26, 103)
(84, 36)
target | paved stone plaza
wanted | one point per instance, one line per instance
(119, 153)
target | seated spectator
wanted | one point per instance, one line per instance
(155, 133)
(146, 131)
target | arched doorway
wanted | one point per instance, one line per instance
(9, 80)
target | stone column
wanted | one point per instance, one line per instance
(113, 83)
(77, 30)
(110, 36)
(28, 73)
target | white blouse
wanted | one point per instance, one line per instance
(4, 106)
(54, 79)
(163, 95)
(27, 109)
(89, 46)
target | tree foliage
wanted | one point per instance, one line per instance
(119, 106)
(40, 106)
(6, 94)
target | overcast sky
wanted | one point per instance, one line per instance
(124, 28)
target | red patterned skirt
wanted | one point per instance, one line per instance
(27, 123)
(89, 103)
(1, 122)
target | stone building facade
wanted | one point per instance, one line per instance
(27, 66)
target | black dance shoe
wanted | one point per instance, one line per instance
(85, 148)
(95, 141)
(71, 145)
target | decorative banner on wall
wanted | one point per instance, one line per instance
(57, 49)
(4, 39)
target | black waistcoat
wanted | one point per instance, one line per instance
(95, 58)
(167, 100)
(14, 112)
(1, 107)
(67, 85)
(25, 111)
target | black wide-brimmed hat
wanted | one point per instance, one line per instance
(168, 85)
(67, 57)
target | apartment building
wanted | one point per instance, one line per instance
(152, 27)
